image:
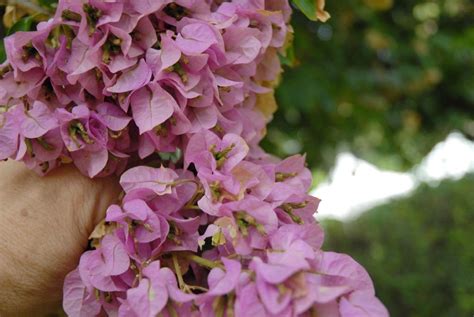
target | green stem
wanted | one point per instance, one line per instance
(177, 269)
(191, 204)
(198, 288)
(192, 207)
(171, 310)
(203, 262)
(182, 284)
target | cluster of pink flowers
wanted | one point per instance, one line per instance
(236, 237)
(221, 228)
(104, 80)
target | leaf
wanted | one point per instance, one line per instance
(12, 15)
(3, 55)
(288, 56)
(313, 9)
(289, 59)
(48, 4)
(171, 156)
(24, 24)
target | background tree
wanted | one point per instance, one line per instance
(384, 79)
(418, 250)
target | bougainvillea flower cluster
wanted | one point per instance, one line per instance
(174, 97)
(102, 82)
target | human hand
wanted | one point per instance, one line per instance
(45, 223)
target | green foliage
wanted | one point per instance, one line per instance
(3, 55)
(308, 7)
(24, 24)
(312, 9)
(48, 4)
(384, 79)
(419, 250)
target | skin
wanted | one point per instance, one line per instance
(45, 223)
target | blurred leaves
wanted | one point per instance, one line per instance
(384, 79)
(380, 5)
(16, 9)
(24, 24)
(12, 15)
(313, 9)
(418, 250)
(3, 55)
(48, 4)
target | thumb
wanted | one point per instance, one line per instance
(89, 197)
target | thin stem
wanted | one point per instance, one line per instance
(204, 262)
(177, 269)
(198, 288)
(193, 207)
(191, 203)
(171, 310)
(138, 274)
(182, 284)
